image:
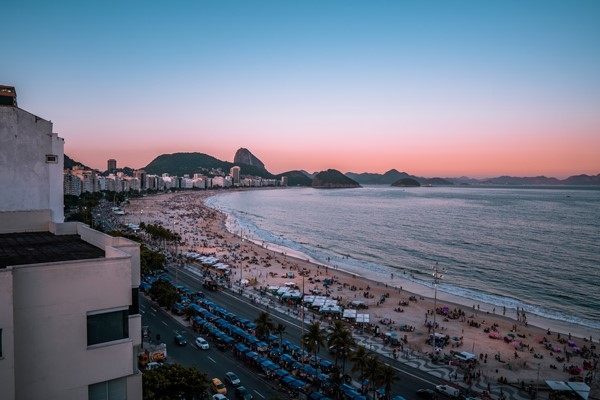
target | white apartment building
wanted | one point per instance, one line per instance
(70, 328)
(187, 183)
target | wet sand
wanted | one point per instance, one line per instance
(203, 230)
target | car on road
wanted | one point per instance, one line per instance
(202, 343)
(180, 340)
(243, 393)
(217, 386)
(448, 390)
(232, 379)
(219, 396)
(426, 394)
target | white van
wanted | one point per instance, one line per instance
(448, 390)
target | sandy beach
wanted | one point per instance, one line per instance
(509, 345)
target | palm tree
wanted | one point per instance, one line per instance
(264, 324)
(387, 377)
(336, 379)
(314, 337)
(340, 340)
(280, 330)
(359, 358)
(372, 371)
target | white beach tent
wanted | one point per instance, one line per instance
(363, 319)
(330, 309)
(349, 314)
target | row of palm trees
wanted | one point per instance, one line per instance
(342, 346)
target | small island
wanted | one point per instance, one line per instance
(406, 182)
(333, 179)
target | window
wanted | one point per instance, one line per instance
(107, 327)
(0, 343)
(51, 159)
(109, 390)
(134, 308)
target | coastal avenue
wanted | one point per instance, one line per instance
(216, 363)
(213, 362)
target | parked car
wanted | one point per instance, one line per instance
(243, 393)
(448, 390)
(232, 379)
(426, 394)
(217, 386)
(202, 343)
(180, 340)
(153, 365)
(219, 396)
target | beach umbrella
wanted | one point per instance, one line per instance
(515, 344)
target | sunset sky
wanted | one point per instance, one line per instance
(433, 88)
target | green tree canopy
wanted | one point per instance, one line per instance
(164, 293)
(175, 381)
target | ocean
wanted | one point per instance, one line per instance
(533, 248)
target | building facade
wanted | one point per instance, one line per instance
(111, 165)
(70, 327)
(235, 175)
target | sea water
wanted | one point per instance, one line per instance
(533, 248)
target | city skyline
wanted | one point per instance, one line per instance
(436, 89)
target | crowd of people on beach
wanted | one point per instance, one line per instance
(203, 231)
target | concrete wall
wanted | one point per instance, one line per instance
(7, 361)
(27, 181)
(51, 302)
(43, 314)
(24, 221)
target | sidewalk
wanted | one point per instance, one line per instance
(410, 358)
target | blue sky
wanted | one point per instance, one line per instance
(421, 86)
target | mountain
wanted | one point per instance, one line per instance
(368, 178)
(392, 176)
(296, 178)
(244, 156)
(510, 180)
(308, 173)
(582, 180)
(333, 179)
(436, 182)
(179, 164)
(70, 163)
(406, 182)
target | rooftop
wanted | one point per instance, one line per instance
(43, 247)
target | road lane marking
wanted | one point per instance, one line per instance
(259, 394)
(164, 323)
(153, 309)
(211, 359)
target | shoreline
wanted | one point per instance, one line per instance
(398, 281)
(205, 230)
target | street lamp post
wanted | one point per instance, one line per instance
(537, 389)
(302, 316)
(437, 276)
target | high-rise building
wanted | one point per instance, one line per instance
(235, 175)
(70, 326)
(141, 175)
(112, 166)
